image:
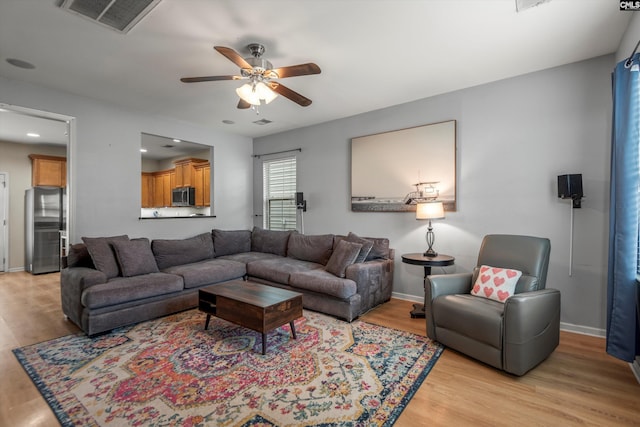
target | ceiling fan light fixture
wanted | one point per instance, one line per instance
(255, 93)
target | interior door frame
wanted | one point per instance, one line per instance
(4, 223)
(71, 144)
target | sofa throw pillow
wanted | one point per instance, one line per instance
(135, 257)
(311, 248)
(344, 255)
(380, 249)
(229, 242)
(495, 283)
(78, 256)
(182, 251)
(366, 246)
(270, 241)
(102, 254)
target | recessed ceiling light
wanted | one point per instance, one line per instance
(143, 150)
(176, 140)
(33, 135)
(21, 64)
(228, 122)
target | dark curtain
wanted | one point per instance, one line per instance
(622, 287)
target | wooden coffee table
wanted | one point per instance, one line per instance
(251, 305)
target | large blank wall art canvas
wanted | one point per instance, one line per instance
(392, 171)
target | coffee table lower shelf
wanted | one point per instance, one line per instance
(251, 305)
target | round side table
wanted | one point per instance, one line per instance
(440, 260)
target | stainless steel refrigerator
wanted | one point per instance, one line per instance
(44, 219)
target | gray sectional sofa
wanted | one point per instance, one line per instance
(115, 281)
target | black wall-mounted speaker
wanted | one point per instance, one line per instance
(299, 198)
(570, 186)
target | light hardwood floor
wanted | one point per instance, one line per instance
(578, 385)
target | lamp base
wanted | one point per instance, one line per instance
(430, 253)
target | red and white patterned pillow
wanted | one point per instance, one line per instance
(495, 283)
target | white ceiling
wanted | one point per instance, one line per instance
(373, 53)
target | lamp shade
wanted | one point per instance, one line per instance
(430, 210)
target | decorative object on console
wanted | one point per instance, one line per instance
(430, 210)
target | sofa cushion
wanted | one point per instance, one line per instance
(102, 254)
(279, 269)
(126, 289)
(367, 245)
(344, 255)
(480, 318)
(208, 272)
(135, 257)
(270, 241)
(323, 282)
(310, 248)
(182, 251)
(231, 242)
(247, 257)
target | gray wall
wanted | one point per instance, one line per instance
(105, 166)
(514, 137)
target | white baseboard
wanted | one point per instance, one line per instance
(635, 368)
(584, 330)
(407, 297)
(16, 269)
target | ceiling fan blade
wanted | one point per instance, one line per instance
(288, 93)
(209, 79)
(242, 104)
(297, 70)
(233, 56)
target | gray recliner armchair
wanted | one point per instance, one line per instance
(514, 336)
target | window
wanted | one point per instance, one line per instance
(279, 193)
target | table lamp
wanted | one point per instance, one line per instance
(430, 210)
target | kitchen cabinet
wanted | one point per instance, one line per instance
(202, 184)
(162, 185)
(147, 199)
(186, 171)
(48, 170)
(156, 187)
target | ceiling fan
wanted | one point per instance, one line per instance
(261, 76)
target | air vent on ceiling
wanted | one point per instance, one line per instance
(119, 15)
(262, 122)
(526, 4)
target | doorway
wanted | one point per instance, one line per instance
(56, 134)
(4, 213)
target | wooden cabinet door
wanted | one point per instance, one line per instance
(198, 185)
(206, 188)
(179, 172)
(147, 199)
(158, 190)
(167, 182)
(48, 170)
(202, 184)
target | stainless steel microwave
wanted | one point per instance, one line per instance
(183, 196)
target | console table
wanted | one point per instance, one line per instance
(427, 262)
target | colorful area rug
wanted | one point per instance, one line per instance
(170, 372)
